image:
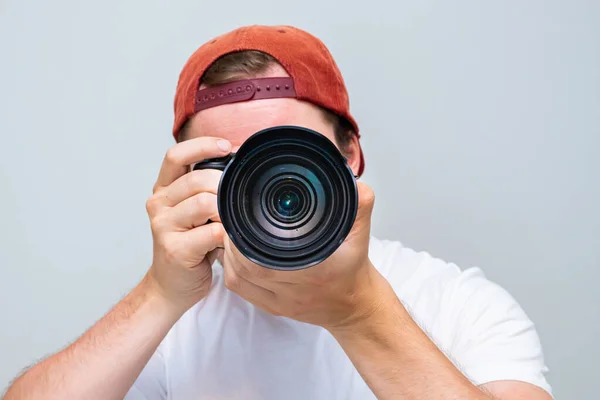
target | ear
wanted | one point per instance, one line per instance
(352, 153)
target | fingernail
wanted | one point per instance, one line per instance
(224, 145)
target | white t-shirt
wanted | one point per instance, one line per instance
(226, 348)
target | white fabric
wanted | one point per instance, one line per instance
(225, 348)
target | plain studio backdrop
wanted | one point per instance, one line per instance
(480, 123)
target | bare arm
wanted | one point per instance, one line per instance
(105, 361)
(397, 359)
(346, 295)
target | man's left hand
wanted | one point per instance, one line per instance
(335, 293)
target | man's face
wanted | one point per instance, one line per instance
(238, 121)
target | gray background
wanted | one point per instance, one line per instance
(481, 126)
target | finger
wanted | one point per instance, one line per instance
(362, 223)
(192, 183)
(366, 201)
(198, 242)
(192, 212)
(182, 155)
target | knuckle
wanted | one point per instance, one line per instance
(206, 180)
(368, 195)
(232, 281)
(172, 156)
(193, 181)
(158, 223)
(152, 204)
(203, 201)
(216, 231)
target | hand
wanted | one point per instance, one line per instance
(182, 203)
(337, 292)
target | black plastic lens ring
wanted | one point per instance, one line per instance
(287, 199)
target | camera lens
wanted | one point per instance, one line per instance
(287, 203)
(288, 198)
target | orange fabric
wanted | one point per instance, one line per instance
(317, 78)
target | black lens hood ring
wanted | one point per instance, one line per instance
(338, 173)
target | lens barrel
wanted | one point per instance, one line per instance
(287, 198)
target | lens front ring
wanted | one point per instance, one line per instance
(292, 148)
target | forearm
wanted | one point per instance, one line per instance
(397, 359)
(106, 360)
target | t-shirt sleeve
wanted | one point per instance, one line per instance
(150, 384)
(494, 338)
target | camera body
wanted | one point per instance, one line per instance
(287, 198)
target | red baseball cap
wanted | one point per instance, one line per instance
(314, 74)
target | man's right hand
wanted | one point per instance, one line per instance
(179, 277)
(181, 204)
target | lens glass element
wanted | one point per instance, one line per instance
(287, 203)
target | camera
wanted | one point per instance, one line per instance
(287, 198)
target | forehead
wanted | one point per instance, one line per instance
(238, 121)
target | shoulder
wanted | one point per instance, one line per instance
(477, 323)
(413, 273)
(409, 271)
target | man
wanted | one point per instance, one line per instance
(375, 319)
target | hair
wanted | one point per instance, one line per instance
(250, 64)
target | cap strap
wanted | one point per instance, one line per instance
(244, 90)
